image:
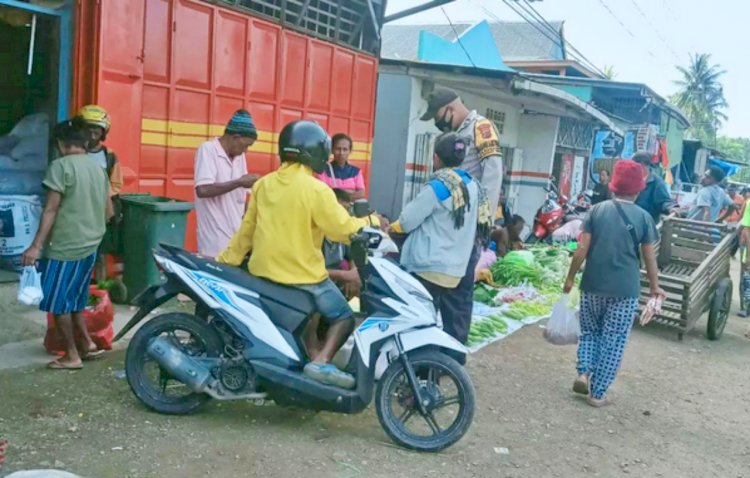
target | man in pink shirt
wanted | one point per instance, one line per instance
(221, 183)
(339, 174)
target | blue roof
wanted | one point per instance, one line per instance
(475, 47)
(516, 41)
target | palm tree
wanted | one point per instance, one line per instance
(701, 95)
(609, 72)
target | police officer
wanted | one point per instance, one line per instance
(483, 158)
(484, 162)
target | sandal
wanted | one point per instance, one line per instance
(57, 365)
(581, 386)
(598, 402)
(93, 355)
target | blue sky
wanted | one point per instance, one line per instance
(664, 33)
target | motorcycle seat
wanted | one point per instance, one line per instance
(288, 296)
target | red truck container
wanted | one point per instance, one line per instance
(172, 72)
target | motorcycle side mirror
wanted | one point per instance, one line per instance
(361, 208)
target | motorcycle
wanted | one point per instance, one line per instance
(554, 212)
(250, 347)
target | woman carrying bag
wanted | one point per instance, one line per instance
(615, 235)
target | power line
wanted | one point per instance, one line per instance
(668, 7)
(538, 19)
(624, 27)
(458, 37)
(656, 30)
(551, 34)
(568, 45)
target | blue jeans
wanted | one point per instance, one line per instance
(329, 301)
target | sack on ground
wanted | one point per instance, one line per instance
(98, 318)
(21, 183)
(563, 327)
(30, 287)
(19, 221)
(568, 231)
(34, 125)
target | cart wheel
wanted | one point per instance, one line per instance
(719, 312)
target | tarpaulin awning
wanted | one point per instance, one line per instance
(729, 169)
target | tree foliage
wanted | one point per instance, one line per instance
(609, 72)
(736, 149)
(701, 96)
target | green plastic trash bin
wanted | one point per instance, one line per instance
(147, 221)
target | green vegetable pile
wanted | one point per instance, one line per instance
(486, 329)
(554, 261)
(542, 266)
(515, 269)
(529, 309)
(484, 294)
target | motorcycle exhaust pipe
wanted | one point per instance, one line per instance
(179, 365)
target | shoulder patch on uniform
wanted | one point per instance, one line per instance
(486, 138)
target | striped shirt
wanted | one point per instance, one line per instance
(347, 177)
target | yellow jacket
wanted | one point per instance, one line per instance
(289, 214)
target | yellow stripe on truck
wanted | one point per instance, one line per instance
(181, 134)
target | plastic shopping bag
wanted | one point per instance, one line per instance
(30, 286)
(563, 327)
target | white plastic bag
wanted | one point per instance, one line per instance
(563, 327)
(30, 287)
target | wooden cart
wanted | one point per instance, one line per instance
(693, 259)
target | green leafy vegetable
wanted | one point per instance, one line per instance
(484, 294)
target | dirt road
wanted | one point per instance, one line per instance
(682, 410)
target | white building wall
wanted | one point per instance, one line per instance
(532, 137)
(509, 136)
(536, 139)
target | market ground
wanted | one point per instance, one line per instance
(682, 410)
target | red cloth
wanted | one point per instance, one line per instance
(627, 178)
(661, 156)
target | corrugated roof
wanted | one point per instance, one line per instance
(515, 40)
(640, 88)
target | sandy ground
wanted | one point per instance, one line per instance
(682, 410)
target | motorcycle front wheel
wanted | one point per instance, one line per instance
(449, 395)
(153, 385)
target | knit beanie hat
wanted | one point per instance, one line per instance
(242, 124)
(627, 178)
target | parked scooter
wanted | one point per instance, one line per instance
(554, 212)
(251, 347)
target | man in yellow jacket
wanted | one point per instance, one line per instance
(289, 214)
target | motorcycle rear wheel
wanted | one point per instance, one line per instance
(193, 336)
(434, 370)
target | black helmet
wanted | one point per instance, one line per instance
(305, 142)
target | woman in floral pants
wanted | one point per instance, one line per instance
(615, 234)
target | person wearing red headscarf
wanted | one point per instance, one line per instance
(615, 235)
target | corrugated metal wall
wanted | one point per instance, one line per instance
(172, 72)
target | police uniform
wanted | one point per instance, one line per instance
(484, 160)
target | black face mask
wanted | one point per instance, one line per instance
(443, 124)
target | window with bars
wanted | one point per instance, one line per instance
(575, 134)
(354, 23)
(497, 117)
